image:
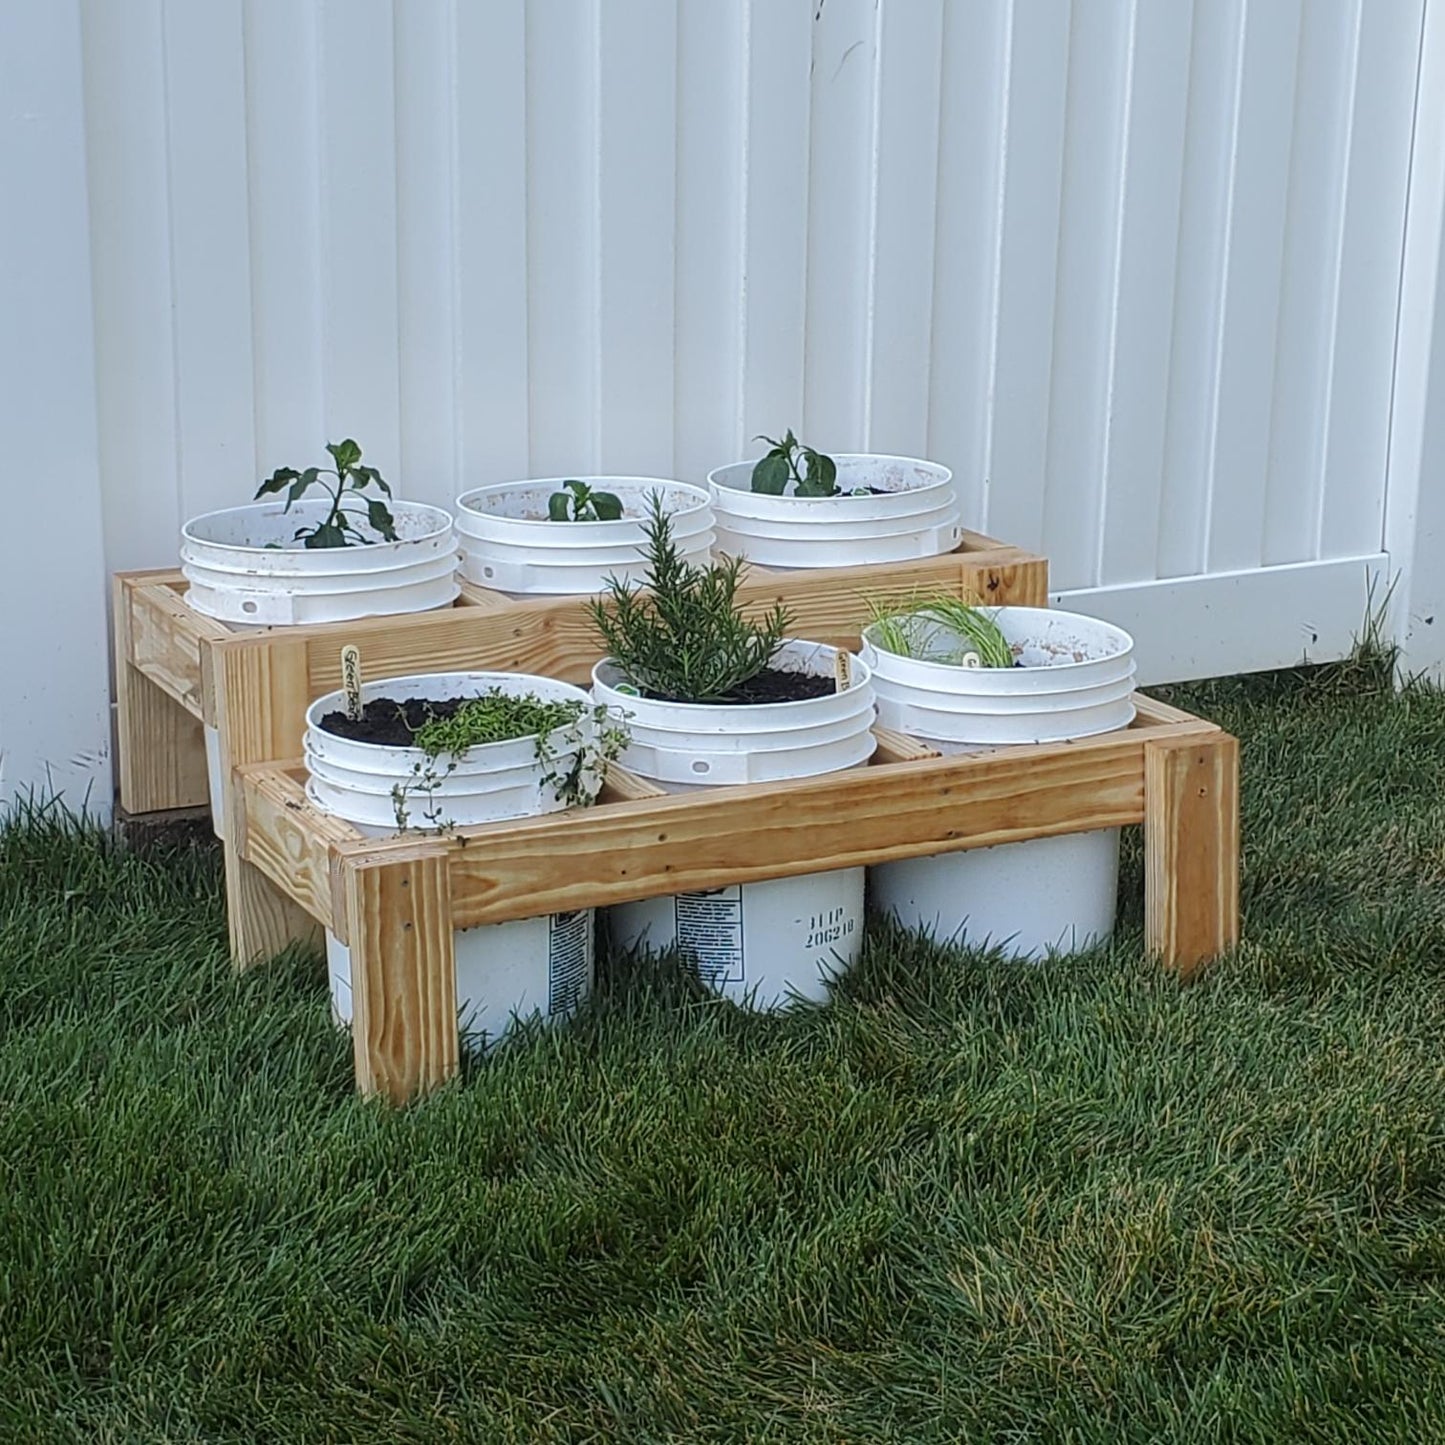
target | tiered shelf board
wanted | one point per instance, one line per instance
(396, 903)
(164, 693)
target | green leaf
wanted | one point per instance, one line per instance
(379, 515)
(346, 454)
(278, 481)
(327, 535)
(770, 476)
(559, 507)
(607, 505)
(822, 474)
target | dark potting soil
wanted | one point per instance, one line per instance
(771, 685)
(387, 722)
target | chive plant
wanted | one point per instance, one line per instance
(942, 629)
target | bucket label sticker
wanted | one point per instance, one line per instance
(710, 933)
(567, 956)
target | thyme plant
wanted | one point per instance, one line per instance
(685, 638)
(338, 528)
(576, 778)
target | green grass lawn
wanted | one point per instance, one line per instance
(969, 1199)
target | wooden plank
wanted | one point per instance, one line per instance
(403, 977)
(160, 746)
(277, 828)
(167, 638)
(1150, 712)
(554, 636)
(261, 696)
(896, 747)
(263, 920)
(744, 834)
(484, 597)
(625, 787)
(1191, 848)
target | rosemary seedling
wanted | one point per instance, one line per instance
(685, 639)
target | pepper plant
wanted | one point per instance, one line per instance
(338, 528)
(814, 474)
(578, 502)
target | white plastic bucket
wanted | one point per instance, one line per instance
(535, 967)
(505, 970)
(243, 566)
(508, 543)
(760, 943)
(354, 780)
(916, 516)
(1039, 896)
(1077, 680)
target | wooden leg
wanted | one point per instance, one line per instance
(1191, 848)
(263, 920)
(161, 748)
(403, 977)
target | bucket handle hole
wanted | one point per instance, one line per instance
(248, 607)
(701, 767)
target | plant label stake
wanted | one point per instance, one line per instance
(351, 680)
(842, 671)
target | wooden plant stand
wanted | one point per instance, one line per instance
(397, 902)
(165, 694)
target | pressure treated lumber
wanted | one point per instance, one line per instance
(1191, 848)
(398, 901)
(161, 748)
(403, 977)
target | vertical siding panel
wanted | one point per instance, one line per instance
(636, 189)
(283, 160)
(1098, 95)
(904, 223)
(1028, 260)
(125, 126)
(210, 253)
(1352, 515)
(1308, 290)
(1135, 409)
(1198, 294)
(842, 167)
(562, 238)
(426, 305)
(491, 207)
(1250, 339)
(54, 707)
(970, 180)
(712, 78)
(358, 228)
(773, 295)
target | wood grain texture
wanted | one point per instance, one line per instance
(263, 920)
(626, 787)
(896, 747)
(1191, 848)
(261, 696)
(276, 827)
(644, 849)
(553, 636)
(160, 746)
(165, 636)
(403, 978)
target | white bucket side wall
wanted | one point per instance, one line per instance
(780, 940)
(1039, 896)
